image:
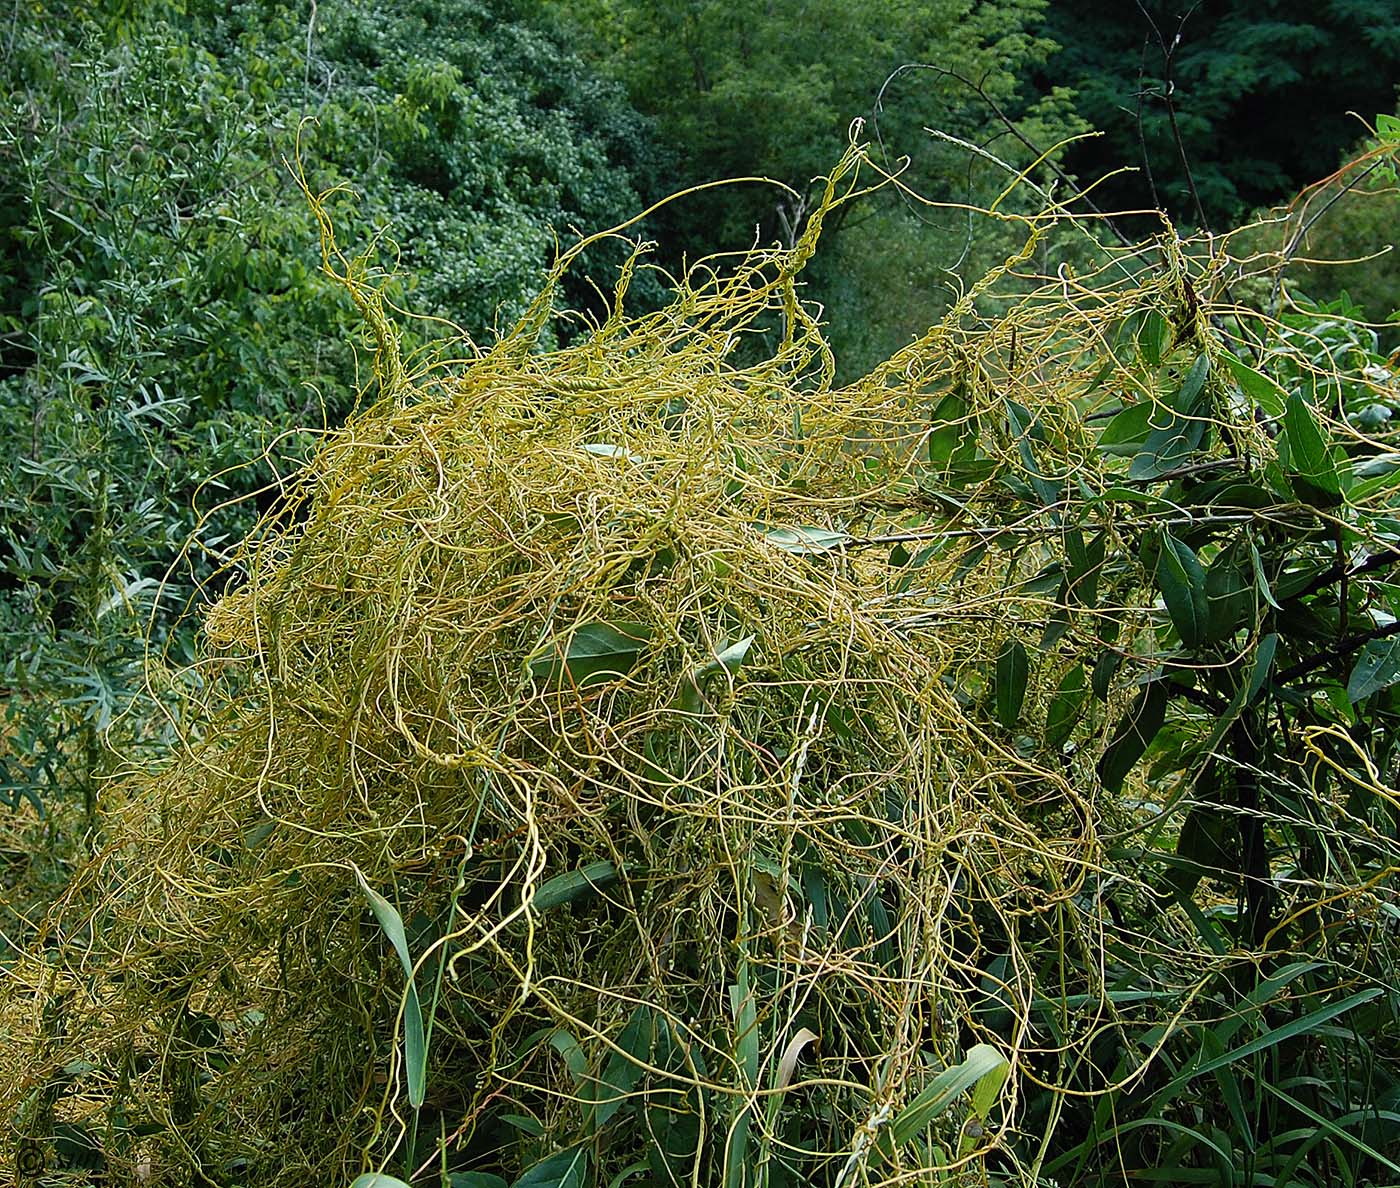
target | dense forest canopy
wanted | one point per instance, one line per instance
(675, 592)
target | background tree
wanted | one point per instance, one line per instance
(1260, 95)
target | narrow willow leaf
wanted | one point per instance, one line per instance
(1134, 735)
(1246, 693)
(1013, 670)
(729, 659)
(415, 1054)
(1104, 669)
(1377, 668)
(1182, 582)
(566, 887)
(593, 654)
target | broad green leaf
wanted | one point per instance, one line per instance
(563, 1042)
(624, 1068)
(1154, 339)
(1127, 430)
(1187, 399)
(1257, 386)
(729, 659)
(1085, 564)
(474, 1180)
(807, 540)
(1377, 668)
(1066, 707)
(1012, 672)
(1168, 447)
(1388, 129)
(594, 653)
(415, 1054)
(1203, 847)
(1305, 455)
(954, 437)
(1134, 735)
(566, 887)
(1178, 429)
(563, 1169)
(1230, 595)
(983, 1066)
(381, 1180)
(1182, 582)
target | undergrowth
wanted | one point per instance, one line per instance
(648, 761)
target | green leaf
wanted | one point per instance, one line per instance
(807, 540)
(1173, 440)
(1306, 456)
(1246, 693)
(954, 438)
(1257, 386)
(415, 1053)
(563, 1169)
(1127, 430)
(474, 1180)
(1203, 846)
(624, 1068)
(594, 654)
(1187, 400)
(1134, 735)
(1066, 707)
(380, 1180)
(1104, 669)
(1230, 595)
(1286, 1031)
(983, 1066)
(1388, 128)
(1377, 668)
(729, 659)
(1012, 672)
(566, 887)
(1182, 582)
(1154, 338)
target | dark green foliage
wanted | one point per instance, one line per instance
(1262, 92)
(165, 330)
